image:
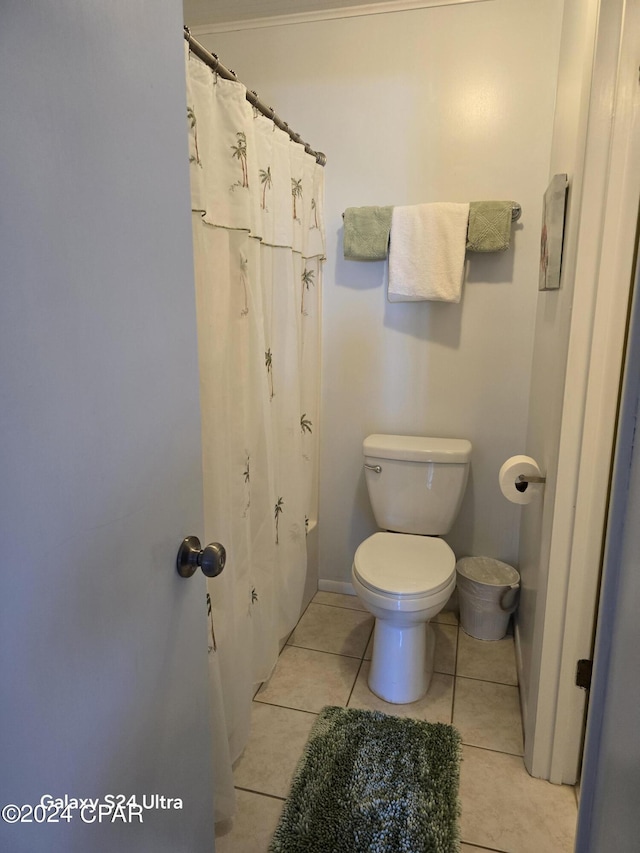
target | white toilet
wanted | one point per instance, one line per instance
(405, 576)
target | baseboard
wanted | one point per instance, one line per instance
(336, 586)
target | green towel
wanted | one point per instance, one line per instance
(366, 233)
(489, 226)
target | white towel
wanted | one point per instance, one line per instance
(426, 255)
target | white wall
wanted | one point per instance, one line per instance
(451, 103)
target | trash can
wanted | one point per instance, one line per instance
(488, 591)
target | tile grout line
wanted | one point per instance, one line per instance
(260, 793)
(364, 651)
(493, 749)
(338, 606)
(481, 847)
(487, 681)
(353, 686)
(287, 707)
(366, 645)
(455, 675)
(498, 751)
(324, 651)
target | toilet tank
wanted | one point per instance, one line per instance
(416, 484)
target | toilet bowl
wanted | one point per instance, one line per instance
(404, 581)
(405, 574)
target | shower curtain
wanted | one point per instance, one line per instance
(258, 234)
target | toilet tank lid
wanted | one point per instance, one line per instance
(417, 448)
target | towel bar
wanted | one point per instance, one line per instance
(516, 212)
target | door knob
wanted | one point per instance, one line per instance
(210, 559)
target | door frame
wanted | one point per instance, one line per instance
(603, 277)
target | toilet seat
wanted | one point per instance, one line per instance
(404, 565)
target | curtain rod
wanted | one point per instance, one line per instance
(214, 63)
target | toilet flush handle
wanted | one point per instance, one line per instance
(376, 468)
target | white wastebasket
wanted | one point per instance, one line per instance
(488, 591)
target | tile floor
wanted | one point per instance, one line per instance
(326, 661)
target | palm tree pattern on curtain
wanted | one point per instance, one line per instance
(246, 475)
(306, 426)
(307, 281)
(268, 360)
(265, 180)
(212, 640)
(244, 265)
(193, 126)
(296, 192)
(240, 153)
(279, 509)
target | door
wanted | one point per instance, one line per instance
(104, 646)
(609, 818)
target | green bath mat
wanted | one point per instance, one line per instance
(368, 782)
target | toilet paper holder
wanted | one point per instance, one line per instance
(522, 483)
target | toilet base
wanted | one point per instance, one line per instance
(402, 663)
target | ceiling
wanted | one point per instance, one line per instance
(199, 13)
